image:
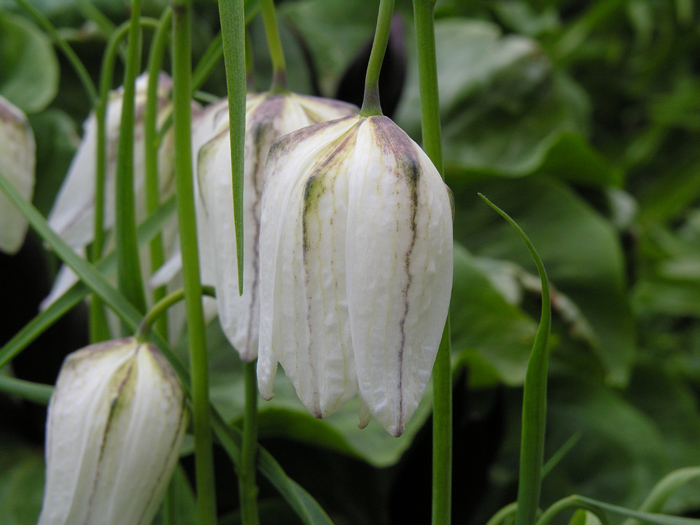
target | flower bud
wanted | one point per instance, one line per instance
(356, 253)
(17, 158)
(116, 422)
(268, 117)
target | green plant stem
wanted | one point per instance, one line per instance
(442, 378)
(158, 309)
(274, 45)
(78, 66)
(503, 514)
(571, 502)
(246, 468)
(99, 330)
(151, 143)
(232, 17)
(371, 104)
(182, 129)
(534, 415)
(129, 268)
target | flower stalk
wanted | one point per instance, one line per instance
(182, 81)
(370, 104)
(151, 144)
(442, 375)
(274, 44)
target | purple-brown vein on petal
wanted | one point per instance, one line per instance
(313, 190)
(394, 142)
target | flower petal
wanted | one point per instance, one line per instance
(17, 158)
(304, 320)
(398, 291)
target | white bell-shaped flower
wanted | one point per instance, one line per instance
(268, 117)
(17, 158)
(116, 423)
(356, 268)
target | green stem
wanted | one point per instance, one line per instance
(158, 309)
(534, 414)
(129, 268)
(99, 329)
(371, 104)
(575, 502)
(232, 17)
(187, 220)
(274, 44)
(503, 514)
(151, 144)
(78, 66)
(246, 468)
(442, 378)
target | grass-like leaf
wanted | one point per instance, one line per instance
(534, 396)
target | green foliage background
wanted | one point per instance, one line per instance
(582, 121)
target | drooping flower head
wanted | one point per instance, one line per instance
(268, 117)
(116, 422)
(17, 158)
(356, 273)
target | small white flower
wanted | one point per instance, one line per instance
(356, 252)
(116, 423)
(17, 158)
(268, 117)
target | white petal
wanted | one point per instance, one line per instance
(399, 248)
(72, 215)
(304, 320)
(268, 117)
(17, 157)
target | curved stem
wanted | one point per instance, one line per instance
(442, 378)
(151, 143)
(371, 104)
(575, 502)
(500, 516)
(162, 306)
(274, 44)
(187, 220)
(78, 66)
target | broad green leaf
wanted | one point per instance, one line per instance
(504, 109)
(621, 453)
(579, 248)
(56, 138)
(285, 417)
(29, 73)
(183, 504)
(21, 481)
(490, 334)
(320, 22)
(584, 517)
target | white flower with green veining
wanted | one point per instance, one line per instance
(268, 117)
(116, 423)
(356, 268)
(17, 158)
